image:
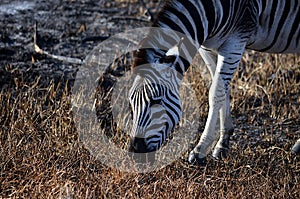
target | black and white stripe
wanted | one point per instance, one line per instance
(220, 31)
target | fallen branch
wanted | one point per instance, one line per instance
(37, 49)
(58, 57)
(142, 19)
(95, 38)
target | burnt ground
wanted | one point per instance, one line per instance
(41, 155)
(67, 28)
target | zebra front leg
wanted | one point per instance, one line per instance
(224, 126)
(226, 130)
(217, 98)
(229, 55)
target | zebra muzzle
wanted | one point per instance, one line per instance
(138, 145)
(140, 153)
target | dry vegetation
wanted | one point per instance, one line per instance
(42, 156)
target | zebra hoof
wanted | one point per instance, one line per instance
(195, 159)
(296, 148)
(220, 153)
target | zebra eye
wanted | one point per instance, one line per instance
(155, 101)
(168, 59)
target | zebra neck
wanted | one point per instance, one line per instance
(193, 20)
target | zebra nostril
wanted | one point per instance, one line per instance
(138, 145)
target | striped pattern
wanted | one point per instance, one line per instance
(155, 106)
(220, 30)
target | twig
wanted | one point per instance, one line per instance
(95, 38)
(128, 18)
(37, 49)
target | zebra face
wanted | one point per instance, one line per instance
(156, 108)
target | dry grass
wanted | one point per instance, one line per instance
(42, 156)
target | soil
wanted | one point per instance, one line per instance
(70, 28)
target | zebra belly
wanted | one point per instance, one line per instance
(269, 44)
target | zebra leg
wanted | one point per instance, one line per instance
(296, 148)
(229, 55)
(210, 59)
(226, 129)
(216, 100)
(224, 132)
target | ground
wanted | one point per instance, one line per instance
(41, 153)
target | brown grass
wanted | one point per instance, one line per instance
(42, 157)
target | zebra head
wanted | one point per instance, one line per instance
(155, 102)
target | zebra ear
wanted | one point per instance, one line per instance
(172, 54)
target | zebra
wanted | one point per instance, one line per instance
(220, 31)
